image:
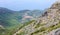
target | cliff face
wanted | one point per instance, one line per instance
(47, 24)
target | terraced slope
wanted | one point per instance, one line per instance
(47, 24)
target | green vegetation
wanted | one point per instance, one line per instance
(14, 28)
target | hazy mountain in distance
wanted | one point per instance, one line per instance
(10, 20)
(10, 17)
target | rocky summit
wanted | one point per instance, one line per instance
(47, 24)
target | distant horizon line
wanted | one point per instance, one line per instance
(22, 9)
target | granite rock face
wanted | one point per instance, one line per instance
(47, 24)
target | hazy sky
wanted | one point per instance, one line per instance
(26, 4)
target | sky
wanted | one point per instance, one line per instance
(26, 4)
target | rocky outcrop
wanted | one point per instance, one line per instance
(47, 24)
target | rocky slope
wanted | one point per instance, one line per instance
(47, 24)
